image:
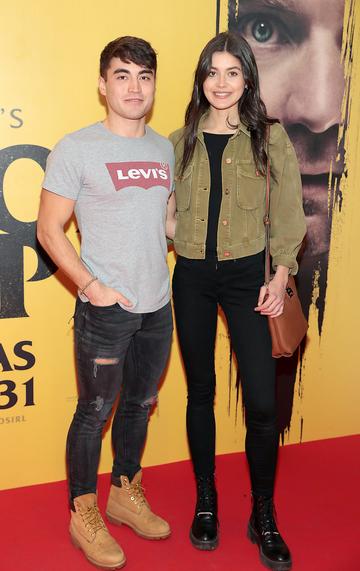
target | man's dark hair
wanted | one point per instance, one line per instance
(128, 49)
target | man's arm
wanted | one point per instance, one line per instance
(54, 213)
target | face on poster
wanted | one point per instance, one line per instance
(297, 45)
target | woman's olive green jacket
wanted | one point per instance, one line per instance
(241, 230)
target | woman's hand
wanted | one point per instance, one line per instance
(271, 298)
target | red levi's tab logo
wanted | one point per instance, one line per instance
(136, 173)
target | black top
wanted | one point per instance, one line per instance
(215, 145)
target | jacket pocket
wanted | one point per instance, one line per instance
(183, 190)
(250, 198)
(250, 191)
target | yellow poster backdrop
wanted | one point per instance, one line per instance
(304, 51)
(49, 68)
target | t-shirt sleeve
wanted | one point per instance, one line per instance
(64, 170)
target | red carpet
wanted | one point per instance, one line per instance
(317, 503)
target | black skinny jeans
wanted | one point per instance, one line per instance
(198, 287)
(115, 351)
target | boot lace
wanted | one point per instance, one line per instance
(206, 502)
(266, 518)
(92, 520)
(137, 492)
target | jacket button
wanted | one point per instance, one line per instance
(226, 254)
(227, 191)
(228, 161)
(225, 222)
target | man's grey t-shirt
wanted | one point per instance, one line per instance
(121, 187)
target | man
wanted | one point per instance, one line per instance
(117, 177)
(297, 45)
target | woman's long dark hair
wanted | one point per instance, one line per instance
(252, 110)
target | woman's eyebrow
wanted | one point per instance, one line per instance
(228, 68)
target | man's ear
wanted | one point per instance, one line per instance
(102, 86)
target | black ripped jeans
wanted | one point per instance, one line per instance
(198, 287)
(116, 351)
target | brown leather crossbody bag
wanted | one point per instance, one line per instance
(287, 330)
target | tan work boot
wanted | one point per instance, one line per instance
(89, 533)
(127, 504)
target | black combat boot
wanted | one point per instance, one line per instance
(263, 531)
(204, 529)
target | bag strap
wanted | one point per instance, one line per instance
(267, 211)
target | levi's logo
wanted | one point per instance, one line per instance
(136, 173)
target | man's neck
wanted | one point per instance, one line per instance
(132, 128)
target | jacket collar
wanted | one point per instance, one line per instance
(241, 127)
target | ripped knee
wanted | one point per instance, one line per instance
(100, 409)
(101, 361)
(150, 402)
(98, 403)
(106, 361)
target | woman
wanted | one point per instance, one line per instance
(221, 155)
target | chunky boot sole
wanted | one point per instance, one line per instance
(97, 564)
(117, 521)
(204, 545)
(269, 563)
